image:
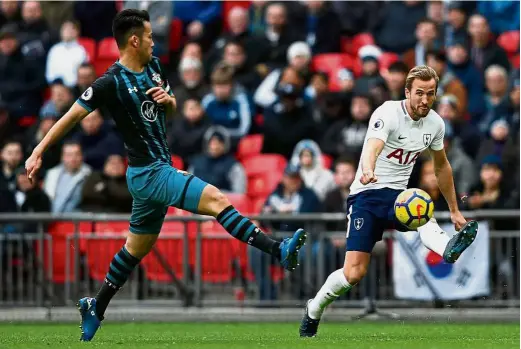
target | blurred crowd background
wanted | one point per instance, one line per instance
(273, 98)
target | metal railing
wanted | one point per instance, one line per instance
(197, 263)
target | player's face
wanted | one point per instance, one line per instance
(421, 96)
(146, 44)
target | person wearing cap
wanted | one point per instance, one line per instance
(21, 78)
(228, 105)
(461, 65)
(185, 135)
(427, 37)
(460, 162)
(298, 58)
(449, 83)
(484, 49)
(217, 165)
(192, 84)
(291, 196)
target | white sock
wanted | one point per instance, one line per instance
(433, 237)
(335, 285)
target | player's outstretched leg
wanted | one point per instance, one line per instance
(213, 202)
(338, 283)
(450, 248)
(92, 310)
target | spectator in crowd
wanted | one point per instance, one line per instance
(299, 58)
(7, 126)
(429, 183)
(491, 192)
(336, 198)
(227, 105)
(461, 163)
(257, 15)
(278, 34)
(497, 100)
(48, 117)
(35, 34)
(427, 36)
(290, 197)
(160, 13)
(379, 92)
(186, 134)
(461, 65)
(436, 12)
(369, 55)
(217, 165)
(484, 50)
(502, 16)
(55, 13)
(514, 98)
(10, 13)
(60, 101)
(12, 156)
(502, 143)
(329, 110)
(464, 132)
(356, 16)
(97, 138)
(457, 22)
(106, 191)
(64, 183)
(235, 56)
(318, 87)
(289, 119)
(346, 80)
(347, 136)
(308, 157)
(192, 49)
(322, 27)
(95, 18)
(396, 24)
(86, 75)
(65, 57)
(449, 84)
(395, 79)
(30, 198)
(21, 77)
(192, 84)
(201, 20)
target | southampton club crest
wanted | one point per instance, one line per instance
(157, 79)
(359, 222)
(427, 138)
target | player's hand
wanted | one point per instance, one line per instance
(159, 95)
(458, 220)
(368, 177)
(32, 165)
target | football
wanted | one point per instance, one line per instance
(413, 208)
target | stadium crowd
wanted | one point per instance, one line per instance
(294, 79)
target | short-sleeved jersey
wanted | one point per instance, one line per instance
(121, 93)
(405, 139)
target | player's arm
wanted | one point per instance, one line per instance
(372, 149)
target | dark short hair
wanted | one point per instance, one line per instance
(72, 141)
(398, 67)
(128, 22)
(222, 74)
(346, 159)
(437, 55)
(12, 141)
(427, 20)
(86, 65)
(235, 43)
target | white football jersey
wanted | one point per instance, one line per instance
(405, 139)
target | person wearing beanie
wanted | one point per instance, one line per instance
(368, 55)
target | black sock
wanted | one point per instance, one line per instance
(119, 271)
(243, 229)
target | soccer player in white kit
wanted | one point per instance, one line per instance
(399, 131)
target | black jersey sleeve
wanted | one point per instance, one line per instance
(98, 94)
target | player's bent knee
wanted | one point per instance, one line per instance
(213, 201)
(138, 245)
(355, 266)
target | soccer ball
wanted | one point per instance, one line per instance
(413, 208)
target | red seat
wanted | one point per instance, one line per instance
(90, 47)
(262, 185)
(176, 34)
(241, 202)
(351, 46)
(386, 59)
(100, 252)
(263, 163)
(119, 227)
(108, 54)
(330, 62)
(177, 162)
(217, 258)
(327, 161)
(515, 61)
(170, 248)
(509, 41)
(258, 204)
(250, 145)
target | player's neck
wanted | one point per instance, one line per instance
(409, 111)
(131, 63)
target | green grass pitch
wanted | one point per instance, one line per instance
(359, 335)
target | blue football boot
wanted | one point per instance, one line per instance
(90, 322)
(289, 249)
(460, 241)
(308, 326)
